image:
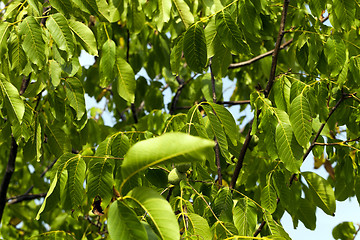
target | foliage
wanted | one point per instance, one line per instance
(96, 181)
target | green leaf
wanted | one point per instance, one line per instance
(4, 35)
(17, 55)
(276, 230)
(38, 141)
(85, 35)
(230, 33)
(170, 147)
(245, 217)
(60, 31)
(76, 175)
(306, 213)
(75, 94)
(57, 140)
(158, 210)
(123, 223)
(212, 39)
(62, 6)
(55, 72)
(344, 231)
(345, 13)
(165, 10)
(33, 44)
(335, 52)
(13, 103)
(194, 47)
(107, 63)
(176, 54)
(53, 235)
(136, 18)
(184, 12)
(49, 196)
(199, 227)
(223, 205)
(268, 198)
(100, 175)
(300, 119)
(321, 191)
(109, 10)
(218, 130)
(126, 84)
(289, 150)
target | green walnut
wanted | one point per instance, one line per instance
(175, 176)
(183, 167)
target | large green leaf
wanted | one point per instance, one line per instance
(194, 47)
(165, 9)
(55, 72)
(123, 223)
(62, 6)
(75, 94)
(300, 119)
(60, 31)
(218, 130)
(100, 175)
(85, 35)
(223, 205)
(212, 38)
(57, 140)
(276, 230)
(170, 147)
(345, 13)
(289, 150)
(245, 217)
(4, 35)
(184, 12)
(306, 213)
(107, 63)
(268, 198)
(17, 55)
(321, 191)
(53, 235)
(198, 227)
(33, 44)
(109, 10)
(14, 104)
(126, 84)
(335, 52)
(176, 54)
(230, 33)
(158, 210)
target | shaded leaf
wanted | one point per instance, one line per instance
(321, 191)
(194, 47)
(75, 94)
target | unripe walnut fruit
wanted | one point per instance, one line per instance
(182, 167)
(175, 176)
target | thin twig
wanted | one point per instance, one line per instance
(26, 197)
(182, 84)
(242, 102)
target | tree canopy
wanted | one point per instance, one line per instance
(183, 170)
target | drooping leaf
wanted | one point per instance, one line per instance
(230, 33)
(123, 223)
(57, 140)
(14, 104)
(199, 227)
(107, 63)
(345, 12)
(17, 55)
(170, 147)
(50, 195)
(176, 54)
(55, 72)
(245, 217)
(4, 35)
(165, 9)
(276, 230)
(33, 43)
(306, 213)
(212, 38)
(184, 12)
(60, 31)
(300, 119)
(136, 18)
(335, 52)
(126, 84)
(268, 198)
(63, 7)
(321, 191)
(194, 47)
(223, 205)
(75, 94)
(85, 35)
(289, 150)
(158, 210)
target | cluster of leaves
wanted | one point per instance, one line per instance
(112, 182)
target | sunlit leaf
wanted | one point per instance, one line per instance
(165, 8)
(85, 35)
(184, 12)
(245, 217)
(268, 198)
(126, 84)
(75, 94)
(107, 63)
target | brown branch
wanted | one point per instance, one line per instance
(24, 84)
(318, 133)
(26, 197)
(174, 101)
(10, 168)
(257, 58)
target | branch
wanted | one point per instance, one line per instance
(318, 134)
(174, 101)
(261, 56)
(10, 168)
(257, 58)
(26, 197)
(233, 102)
